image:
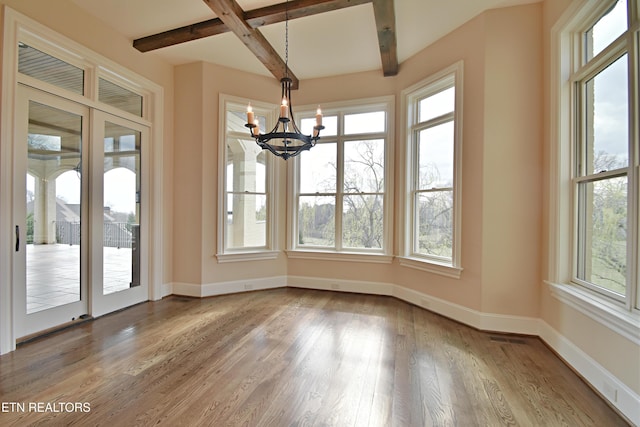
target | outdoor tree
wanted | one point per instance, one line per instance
(363, 224)
(608, 227)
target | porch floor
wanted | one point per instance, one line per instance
(53, 273)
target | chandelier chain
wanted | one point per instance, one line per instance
(285, 140)
(286, 39)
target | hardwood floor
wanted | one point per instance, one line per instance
(290, 357)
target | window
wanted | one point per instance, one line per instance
(119, 97)
(342, 185)
(605, 149)
(433, 155)
(49, 69)
(246, 179)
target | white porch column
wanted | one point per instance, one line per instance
(44, 211)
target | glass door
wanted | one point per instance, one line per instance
(119, 261)
(50, 211)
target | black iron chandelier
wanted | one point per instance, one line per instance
(285, 139)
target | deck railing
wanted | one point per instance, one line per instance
(116, 234)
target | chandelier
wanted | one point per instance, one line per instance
(285, 139)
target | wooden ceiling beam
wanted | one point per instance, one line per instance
(255, 18)
(231, 17)
(386, 26)
(230, 12)
(180, 35)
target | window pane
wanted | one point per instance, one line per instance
(316, 221)
(247, 221)
(436, 157)
(330, 124)
(246, 174)
(437, 105)
(119, 97)
(362, 221)
(318, 169)
(48, 69)
(602, 237)
(364, 166)
(607, 126)
(246, 167)
(434, 217)
(54, 191)
(607, 29)
(364, 122)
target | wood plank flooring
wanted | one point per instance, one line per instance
(290, 357)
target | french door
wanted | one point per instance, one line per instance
(119, 214)
(79, 212)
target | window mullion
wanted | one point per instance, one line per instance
(339, 185)
(633, 292)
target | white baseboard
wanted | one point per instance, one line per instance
(166, 290)
(606, 384)
(223, 288)
(610, 387)
(355, 286)
(474, 318)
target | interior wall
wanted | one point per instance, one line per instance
(495, 127)
(198, 89)
(466, 44)
(187, 157)
(512, 161)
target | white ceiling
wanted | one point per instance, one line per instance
(333, 43)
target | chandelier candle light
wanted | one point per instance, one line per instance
(285, 139)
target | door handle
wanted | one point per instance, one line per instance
(17, 238)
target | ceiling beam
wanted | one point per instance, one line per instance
(255, 18)
(231, 17)
(230, 12)
(180, 35)
(386, 27)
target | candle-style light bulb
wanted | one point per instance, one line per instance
(284, 109)
(250, 115)
(319, 117)
(256, 129)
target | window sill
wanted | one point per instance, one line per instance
(431, 267)
(341, 256)
(247, 256)
(608, 313)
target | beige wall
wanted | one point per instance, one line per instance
(512, 161)
(501, 227)
(198, 88)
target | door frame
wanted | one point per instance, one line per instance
(19, 27)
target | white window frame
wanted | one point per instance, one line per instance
(381, 255)
(621, 316)
(270, 250)
(451, 76)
